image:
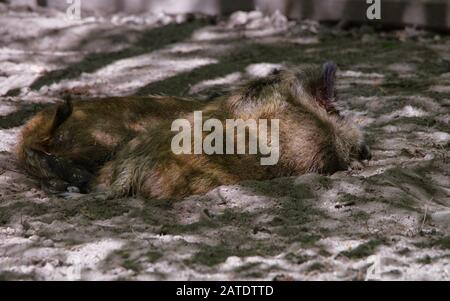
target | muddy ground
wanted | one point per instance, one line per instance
(390, 220)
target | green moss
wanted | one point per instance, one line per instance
(103, 209)
(5, 216)
(154, 212)
(348, 197)
(405, 86)
(361, 215)
(91, 209)
(406, 153)
(298, 259)
(213, 255)
(404, 252)
(295, 234)
(294, 212)
(124, 259)
(280, 187)
(444, 242)
(122, 254)
(428, 122)
(133, 265)
(416, 176)
(325, 182)
(323, 252)
(175, 229)
(254, 274)
(316, 266)
(13, 276)
(364, 90)
(403, 202)
(21, 208)
(364, 250)
(228, 217)
(153, 256)
(424, 260)
(247, 267)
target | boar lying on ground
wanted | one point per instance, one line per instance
(122, 145)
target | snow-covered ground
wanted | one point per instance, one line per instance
(390, 220)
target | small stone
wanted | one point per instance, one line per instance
(255, 24)
(279, 20)
(48, 243)
(283, 277)
(73, 189)
(101, 197)
(25, 90)
(368, 38)
(441, 217)
(56, 262)
(392, 274)
(365, 29)
(238, 18)
(165, 20)
(57, 185)
(428, 157)
(180, 19)
(34, 238)
(30, 232)
(115, 19)
(43, 90)
(10, 231)
(256, 14)
(20, 228)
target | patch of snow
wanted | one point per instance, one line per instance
(6, 109)
(262, 69)
(89, 255)
(350, 73)
(436, 137)
(440, 88)
(391, 129)
(446, 75)
(8, 139)
(402, 68)
(229, 79)
(408, 111)
(305, 40)
(441, 217)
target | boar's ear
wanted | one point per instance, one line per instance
(324, 88)
(328, 81)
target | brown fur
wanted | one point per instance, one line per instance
(123, 145)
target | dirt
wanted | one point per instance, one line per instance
(389, 220)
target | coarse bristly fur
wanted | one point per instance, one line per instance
(123, 145)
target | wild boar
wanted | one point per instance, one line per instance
(124, 145)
